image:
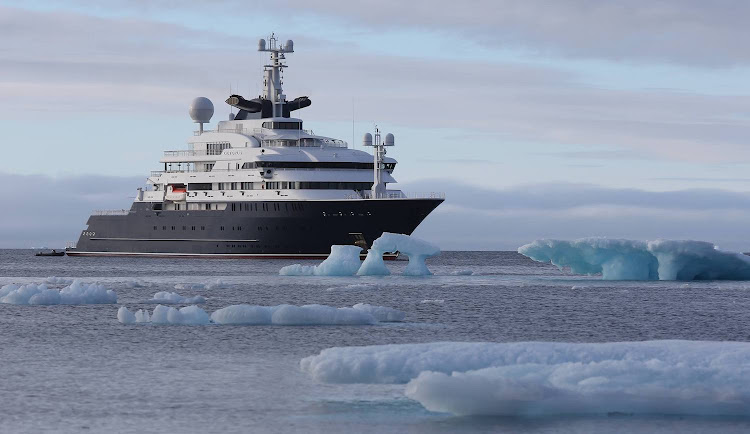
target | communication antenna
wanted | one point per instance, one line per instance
(273, 72)
(378, 186)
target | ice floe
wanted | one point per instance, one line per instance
(535, 378)
(381, 313)
(462, 273)
(343, 261)
(189, 315)
(432, 301)
(76, 293)
(417, 250)
(354, 287)
(641, 260)
(285, 314)
(53, 280)
(166, 297)
(216, 284)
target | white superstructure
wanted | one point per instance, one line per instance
(252, 157)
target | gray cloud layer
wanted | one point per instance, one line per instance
(691, 32)
(68, 62)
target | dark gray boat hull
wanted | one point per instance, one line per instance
(263, 229)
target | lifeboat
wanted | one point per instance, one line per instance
(176, 192)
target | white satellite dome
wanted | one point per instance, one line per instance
(201, 110)
(389, 139)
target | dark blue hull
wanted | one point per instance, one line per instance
(267, 229)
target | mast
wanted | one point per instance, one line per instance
(272, 72)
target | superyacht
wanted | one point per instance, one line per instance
(260, 186)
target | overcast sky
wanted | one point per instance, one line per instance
(539, 119)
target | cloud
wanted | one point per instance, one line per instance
(73, 63)
(485, 219)
(691, 32)
(48, 211)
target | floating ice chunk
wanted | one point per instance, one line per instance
(312, 314)
(534, 378)
(381, 313)
(52, 280)
(343, 261)
(142, 316)
(190, 315)
(243, 314)
(696, 378)
(194, 315)
(166, 297)
(134, 284)
(354, 287)
(462, 273)
(639, 260)
(76, 293)
(125, 316)
(417, 250)
(216, 284)
(432, 301)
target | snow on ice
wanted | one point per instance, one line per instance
(76, 293)
(538, 378)
(166, 297)
(641, 260)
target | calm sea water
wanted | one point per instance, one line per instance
(76, 368)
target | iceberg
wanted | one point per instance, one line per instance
(539, 378)
(618, 259)
(190, 315)
(343, 261)
(76, 293)
(125, 316)
(166, 297)
(417, 250)
(381, 313)
(312, 314)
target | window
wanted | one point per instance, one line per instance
(208, 206)
(234, 186)
(283, 125)
(193, 227)
(222, 228)
(200, 186)
(274, 185)
(164, 228)
(172, 227)
(203, 228)
(155, 227)
(246, 186)
(216, 148)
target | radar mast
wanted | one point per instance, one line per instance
(272, 90)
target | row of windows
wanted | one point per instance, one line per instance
(283, 125)
(234, 228)
(282, 185)
(312, 165)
